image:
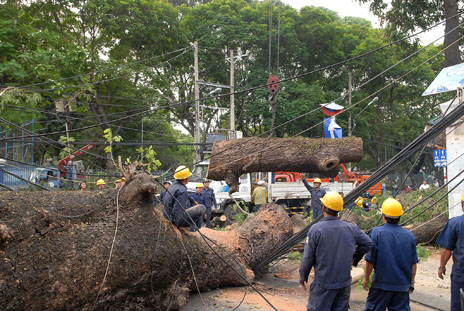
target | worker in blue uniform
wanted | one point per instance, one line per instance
(332, 246)
(394, 261)
(178, 208)
(316, 194)
(451, 240)
(210, 199)
(197, 197)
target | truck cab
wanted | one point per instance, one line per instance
(49, 177)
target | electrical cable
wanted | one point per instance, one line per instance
(250, 89)
(432, 205)
(346, 109)
(192, 222)
(6, 187)
(103, 70)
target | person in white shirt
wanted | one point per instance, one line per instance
(424, 186)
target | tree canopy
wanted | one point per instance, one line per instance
(109, 59)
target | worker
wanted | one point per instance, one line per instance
(166, 185)
(197, 197)
(332, 246)
(365, 204)
(101, 184)
(425, 186)
(120, 182)
(82, 185)
(316, 194)
(259, 195)
(178, 208)
(210, 199)
(394, 261)
(451, 240)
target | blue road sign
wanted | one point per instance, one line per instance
(449, 79)
(439, 157)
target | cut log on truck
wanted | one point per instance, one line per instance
(232, 158)
(55, 248)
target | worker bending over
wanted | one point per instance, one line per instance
(332, 246)
(451, 240)
(394, 261)
(178, 208)
(316, 194)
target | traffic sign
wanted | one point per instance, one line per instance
(439, 157)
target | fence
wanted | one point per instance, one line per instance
(24, 171)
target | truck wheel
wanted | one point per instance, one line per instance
(230, 213)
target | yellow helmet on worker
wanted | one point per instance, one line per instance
(359, 201)
(391, 208)
(182, 172)
(317, 180)
(374, 200)
(462, 197)
(100, 182)
(199, 185)
(333, 200)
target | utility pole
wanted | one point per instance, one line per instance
(349, 115)
(196, 136)
(232, 98)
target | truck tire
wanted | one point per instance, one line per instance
(230, 213)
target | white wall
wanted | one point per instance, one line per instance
(454, 148)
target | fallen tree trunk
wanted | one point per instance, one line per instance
(428, 232)
(232, 158)
(425, 232)
(55, 247)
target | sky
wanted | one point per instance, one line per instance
(353, 8)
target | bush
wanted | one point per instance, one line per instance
(295, 256)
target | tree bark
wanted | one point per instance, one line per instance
(452, 53)
(429, 232)
(232, 158)
(55, 246)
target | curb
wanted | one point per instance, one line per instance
(429, 300)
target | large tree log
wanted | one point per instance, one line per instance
(55, 246)
(232, 158)
(425, 232)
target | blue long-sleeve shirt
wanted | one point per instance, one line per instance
(393, 254)
(316, 195)
(199, 198)
(331, 247)
(174, 209)
(452, 239)
(210, 198)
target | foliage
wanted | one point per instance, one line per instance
(113, 60)
(150, 158)
(295, 256)
(422, 252)
(65, 151)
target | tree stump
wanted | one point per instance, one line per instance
(232, 158)
(55, 246)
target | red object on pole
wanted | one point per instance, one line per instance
(273, 85)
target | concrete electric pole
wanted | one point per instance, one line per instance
(232, 98)
(196, 134)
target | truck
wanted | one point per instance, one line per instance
(292, 195)
(68, 169)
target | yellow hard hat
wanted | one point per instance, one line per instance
(374, 200)
(333, 200)
(462, 198)
(317, 180)
(120, 180)
(100, 182)
(392, 208)
(359, 201)
(199, 185)
(182, 172)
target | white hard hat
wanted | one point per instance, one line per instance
(261, 182)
